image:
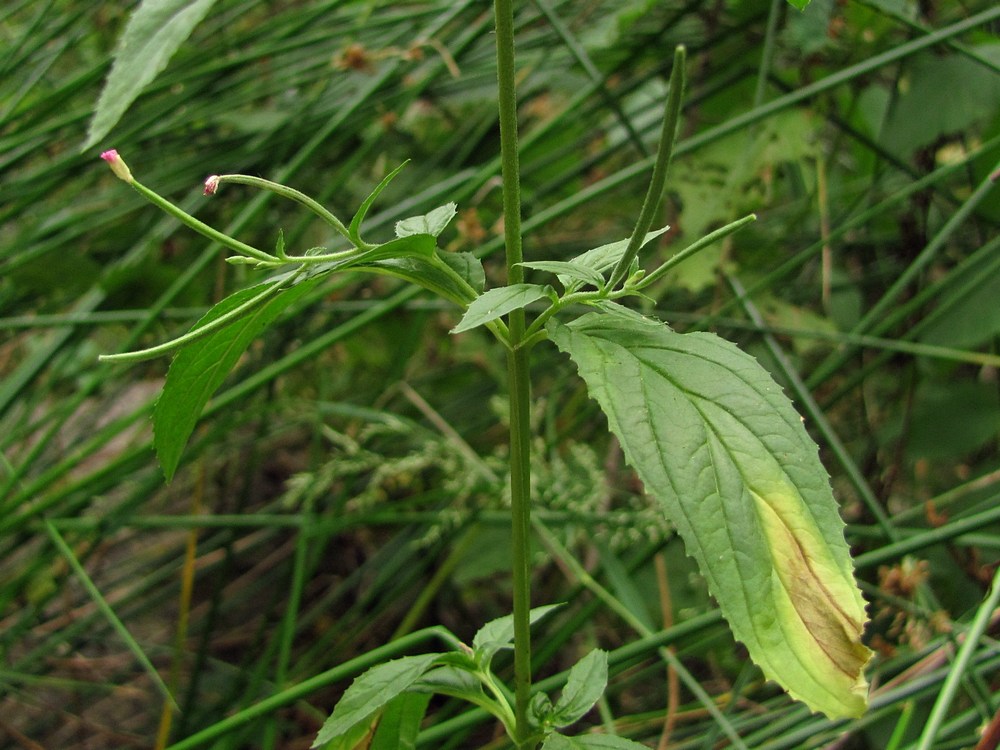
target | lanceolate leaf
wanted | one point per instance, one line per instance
(153, 33)
(199, 368)
(717, 443)
(499, 633)
(498, 302)
(432, 223)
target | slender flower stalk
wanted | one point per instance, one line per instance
(122, 171)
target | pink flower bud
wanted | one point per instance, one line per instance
(211, 184)
(118, 166)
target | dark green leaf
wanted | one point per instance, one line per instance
(153, 33)
(200, 367)
(498, 302)
(432, 223)
(499, 634)
(717, 443)
(371, 691)
(800, 4)
(584, 687)
(468, 267)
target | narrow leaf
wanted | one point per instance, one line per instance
(717, 443)
(799, 4)
(498, 302)
(201, 367)
(371, 692)
(584, 686)
(354, 230)
(153, 33)
(499, 634)
(432, 223)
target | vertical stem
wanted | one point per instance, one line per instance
(518, 375)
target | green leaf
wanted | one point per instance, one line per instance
(498, 302)
(556, 741)
(568, 270)
(372, 691)
(200, 367)
(602, 258)
(800, 4)
(432, 223)
(584, 687)
(426, 274)
(468, 267)
(717, 443)
(153, 33)
(499, 634)
(354, 230)
(400, 723)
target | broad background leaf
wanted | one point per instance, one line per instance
(717, 443)
(152, 35)
(200, 368)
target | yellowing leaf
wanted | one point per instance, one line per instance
(717, 443)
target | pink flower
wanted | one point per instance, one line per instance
(118, 166)
(211, 184)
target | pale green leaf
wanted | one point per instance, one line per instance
(370, 692)
(570, 270)
(152, 35)
(602, 258)
(557, 741)
(498, 302)
(432, 223)
(715, 440)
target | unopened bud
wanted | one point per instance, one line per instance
(211, 184)
(118, 166)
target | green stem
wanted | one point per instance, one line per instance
(292, 194)
(518, 375)
(199, 226)
(654, 195)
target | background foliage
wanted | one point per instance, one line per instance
(346, 485)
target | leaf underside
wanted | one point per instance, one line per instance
(718, 444)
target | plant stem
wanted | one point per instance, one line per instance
(654, 195)
(518, 376)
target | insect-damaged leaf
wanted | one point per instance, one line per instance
(717, 443)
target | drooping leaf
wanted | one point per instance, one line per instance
(370, 692)
(467, 266)
(400, 722)
(432, 223)
(717, 443)
(496, 303)
(428, 274)
(199, 368)
(499, 633)
(556, 741)
(584, 686)
(152, 35)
